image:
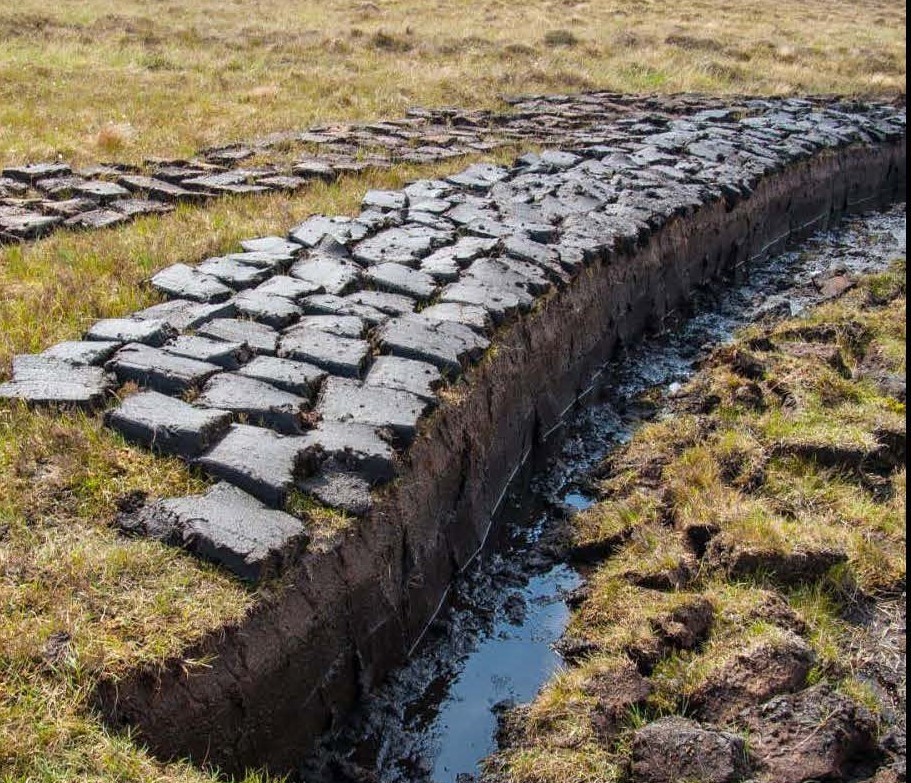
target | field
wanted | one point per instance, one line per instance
(102, 80)
(106, 79)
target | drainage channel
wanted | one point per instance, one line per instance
(495, 642)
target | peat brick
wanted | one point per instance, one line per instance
(41, 380)
(342, 399)
(183, 282)
(131, 330)
(82, 353)
(257, 460)
(228, 356)
(398, 279)
(298, 378)
(338, 355)
(275, 311)
(333, 275)
(356, 447)
(256, 401)
(448, 345)
(229, 527)
(167, 425)
(153, 368)
(184, 314)
(394, 372)
(260, 338)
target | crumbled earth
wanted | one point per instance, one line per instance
(361, 321)
(781, 657)
(673, 749)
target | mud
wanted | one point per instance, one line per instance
(355, 608)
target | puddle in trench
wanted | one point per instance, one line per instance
(435, 719)
(577, 501)
(466, 724)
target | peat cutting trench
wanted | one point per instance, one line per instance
(406, 368)
(497, 640)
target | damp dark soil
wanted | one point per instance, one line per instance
(494, 641)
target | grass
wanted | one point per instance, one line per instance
(79, 601)
(118, 79)
(746, 473)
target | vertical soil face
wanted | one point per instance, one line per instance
(349, 613)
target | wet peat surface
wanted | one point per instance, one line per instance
(493, 643)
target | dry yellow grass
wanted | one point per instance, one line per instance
(124, 79)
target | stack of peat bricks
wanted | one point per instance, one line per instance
(38, 198)
(301, 366)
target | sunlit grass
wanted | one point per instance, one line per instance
(748, 473)
(110, 79)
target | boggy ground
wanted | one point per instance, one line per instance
(743, 615)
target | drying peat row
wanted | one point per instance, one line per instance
(38, 198)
